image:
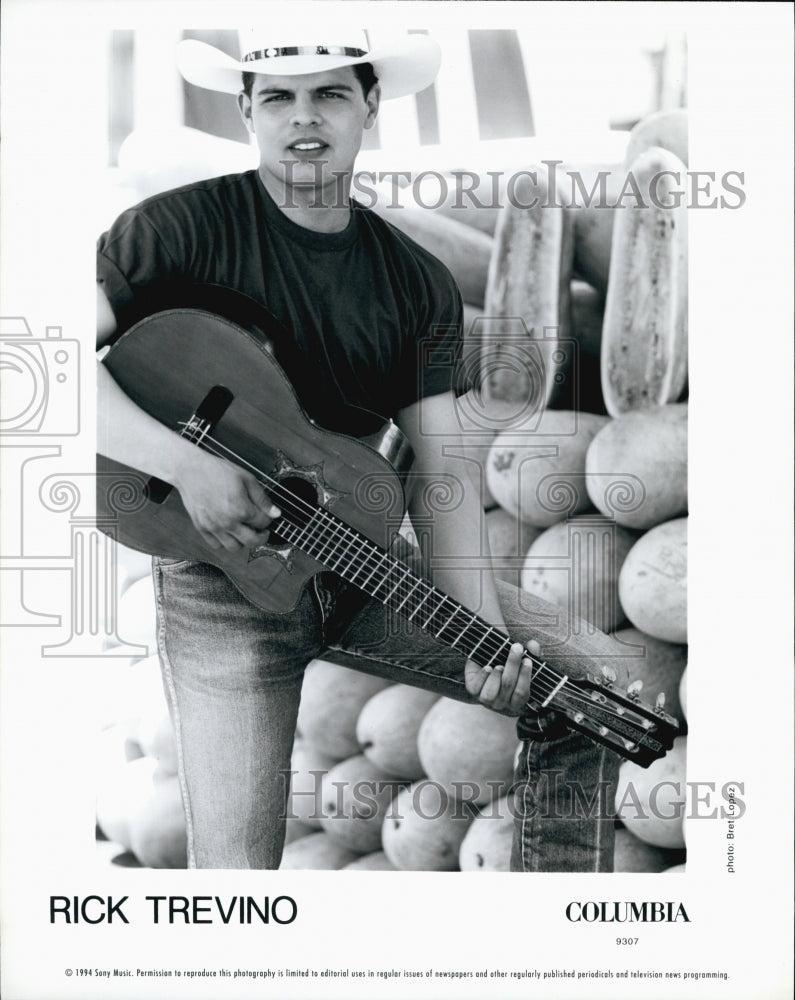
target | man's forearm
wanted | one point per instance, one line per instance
(458, 552)
(127, 434)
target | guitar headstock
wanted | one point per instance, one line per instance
(614, 718)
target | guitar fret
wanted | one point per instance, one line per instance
(392, 591)
(296, 539)
(479, 644)
(466, 628)
(334, 546)
(457, 609)
(414, 612)
(457, 638)
(501, 651)
(335, 565)
(437, 634)
(363, 583)
(321, 555)
(435, 610)
(408, 595)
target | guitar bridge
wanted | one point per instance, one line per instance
(195, 429)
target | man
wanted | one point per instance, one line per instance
(358, 299)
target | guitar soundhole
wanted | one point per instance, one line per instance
(297, 499)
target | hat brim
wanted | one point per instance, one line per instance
(406, 66)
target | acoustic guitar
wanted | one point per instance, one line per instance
(216, 382)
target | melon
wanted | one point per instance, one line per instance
(636, 466)
(634, 855)
(122, 791)
(479, 209)
(479, 420)
(309, 766)
(317, 852)
(375, 862)
(468, 749)
(387, 729)
(576, 565)
(465, 251)
(509, 540)
(666, 129)
(539, 476)
(116, 746)
(113, 856)
(157, 159)
(660, 665)
(154, 732)
(650, 802)
(653, 582)
(487, 844)
(294, 829)
(527, 299)
(331, 699)
(594, 213)
(424, 829)
(587, 312)
(356, 796)
(129, 689)
(644, 332)
(158, 835)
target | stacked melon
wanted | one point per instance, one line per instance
(601, 478)
(579, 425)
(139, 803)
(387, 777)
(576, 318)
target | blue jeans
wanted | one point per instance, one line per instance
(233, 676)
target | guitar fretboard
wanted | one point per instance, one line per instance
(343, 549)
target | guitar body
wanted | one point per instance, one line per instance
(183, 362)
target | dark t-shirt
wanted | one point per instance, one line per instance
(374, 320)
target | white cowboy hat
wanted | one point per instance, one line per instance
(404, 66)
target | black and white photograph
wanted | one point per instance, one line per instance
(397, 489)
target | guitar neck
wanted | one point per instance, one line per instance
(618, 721)
(355, 558)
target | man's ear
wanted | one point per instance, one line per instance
(373, 102)
(244, 107)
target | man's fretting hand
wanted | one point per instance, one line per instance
(505, 687)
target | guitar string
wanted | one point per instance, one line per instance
(571, 694)
(333, 534)
(331, 528)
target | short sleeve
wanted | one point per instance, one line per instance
(133, 261)
(433, 355)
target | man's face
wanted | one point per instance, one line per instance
(309, 129)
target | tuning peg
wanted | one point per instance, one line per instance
(659, 704)
(634, 689)
(609, 676)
